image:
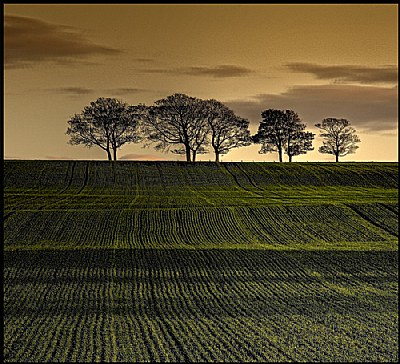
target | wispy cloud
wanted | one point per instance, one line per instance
(76, 91)
(73, 91)
(219, 71)
(124, 91)
(29, 41)
(347, 73)
(144, 60)
(367, 107)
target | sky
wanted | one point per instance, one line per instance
(319, 60)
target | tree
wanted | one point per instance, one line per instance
(340, 137)
(200, 131)
(227, 130)
(125, 127)
(199, 134)
(272, 132)
(300, 142)
(176, 120)
(106, 123)
(282, 130)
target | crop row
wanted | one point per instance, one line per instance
(200, 305)
(273, 226)
(323, 174)
(139, 229)
(307, 224)
(52, 185)
(384, 216)
(124, 176)
(188, 197)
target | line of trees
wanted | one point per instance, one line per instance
(191, 126)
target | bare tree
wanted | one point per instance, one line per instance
(282, 130)
(125, 127)
(340, 137)
(107, 123)
(199, 134)
(86, 132)
(227, 130)
(176, 120)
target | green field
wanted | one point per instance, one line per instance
(173, 261)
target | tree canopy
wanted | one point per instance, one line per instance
(107, 123)
(282, 131)
(192, 124)
(176, 121)
(227, 130)
(340, 137)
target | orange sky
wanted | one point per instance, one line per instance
(319, 60)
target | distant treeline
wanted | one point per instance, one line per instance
(191, 126)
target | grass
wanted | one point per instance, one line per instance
(170, 261)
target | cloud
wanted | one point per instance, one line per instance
(144, 60)
(143, 157)
(124, 91)
(220, 71)
(348, 73)
(73, 91)
(370, 108)
(29, 41)
(79, 91)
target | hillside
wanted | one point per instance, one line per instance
(126, 174)
(63, 204)
(177, 262)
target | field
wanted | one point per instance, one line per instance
(172, 261)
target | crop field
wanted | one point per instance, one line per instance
(204, 262)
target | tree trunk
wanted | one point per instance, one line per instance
(194, 156)
(337, 150)
(115, 153)
(280, 154)
(108, 149)
(290, 157)
(216, 156)
(187, 153)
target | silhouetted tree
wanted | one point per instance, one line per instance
(299, 141)
(272, 132)
(282, 130)
(199, 139)
(340, 137)
(227, 130)
(176, 120)
(107, 123)
(199, 134)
